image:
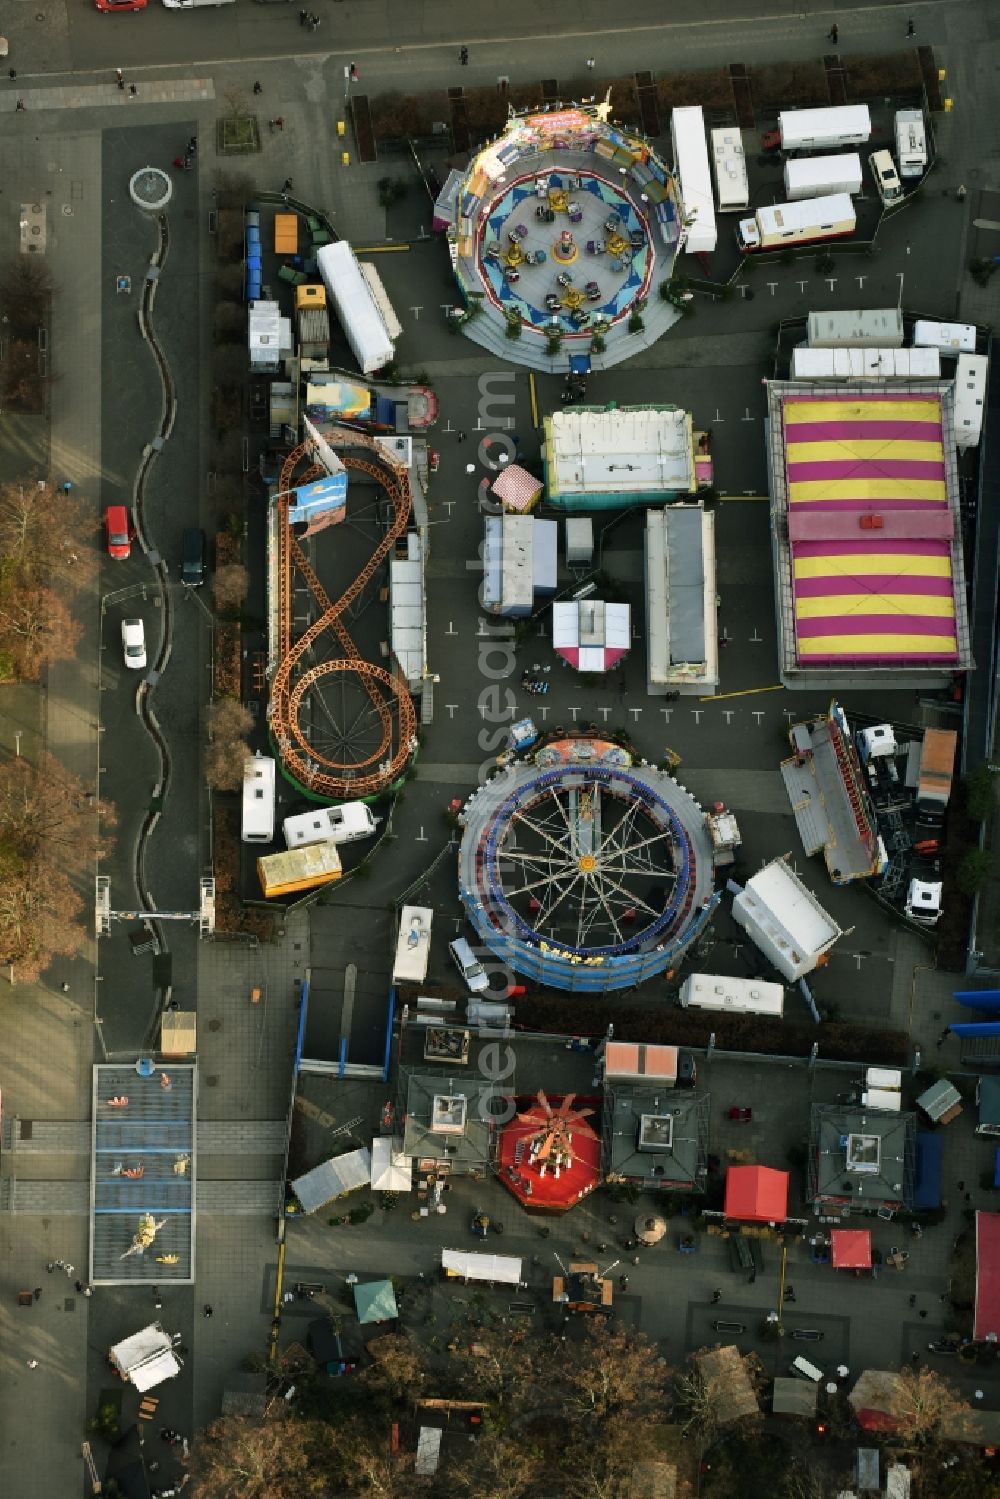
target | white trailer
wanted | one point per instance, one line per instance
(357, 309)
(714, 991)
(865, 364)
(785, 920)
(819, 176)
(393, 326)
(970, 398)
(147, 1358)
(730, 163)
(258, 799)
(911, 142)
(783, 224)
(413, 949)
(822, 129)
(950, 338)
(871, 328)
(341, 824)
(687, 133)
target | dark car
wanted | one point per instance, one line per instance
(193, 557)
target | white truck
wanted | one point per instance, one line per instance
(356, 307)
(729, 160)
(147, 1358)
(714, 991)
(823, 129)
(344, 823)
(413, 948)
(911, 142)
(782, 224)
(687, 135)
(821, 176)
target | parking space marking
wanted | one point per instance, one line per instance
(727, 714)
(635, 713)
(421, 837)
(696, 714)
(717, 417)
(449, 506)
(416, 313)
(748, 417)
(574, 712)
(774, 287)
(802, 287)
(451, 628)
(758, 714)
(756, 639)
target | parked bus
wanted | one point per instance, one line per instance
(258, 800)
(299, 869)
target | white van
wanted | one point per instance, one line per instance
(887, 181)
(468, 966)
(344, 823)
(805, 1370)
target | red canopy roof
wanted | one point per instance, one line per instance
(871, 1420)
(851, 1249)
(757, 1193)
(987, 1276)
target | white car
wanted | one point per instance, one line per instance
(134, 643)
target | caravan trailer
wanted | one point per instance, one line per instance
(344, 823)
(732, 188)
(258, 800)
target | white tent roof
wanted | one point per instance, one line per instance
(504, 1268)
(332, 1179)
(146, 1358)
(392, 1171)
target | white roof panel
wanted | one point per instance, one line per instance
(622, 451)
(392, 1171)
(503, 1268)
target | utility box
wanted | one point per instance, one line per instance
(579, 541)
(286, 234)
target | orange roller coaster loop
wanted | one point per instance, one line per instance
(291, 683)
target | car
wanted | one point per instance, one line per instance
(119, 531)
(465, 961)
(193, 557)
(134, 643)
(109, 5)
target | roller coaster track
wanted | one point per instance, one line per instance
(291, 684)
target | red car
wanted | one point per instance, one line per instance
(110, 5)
(119, 531)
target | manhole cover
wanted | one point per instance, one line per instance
(215, 1025)
(67, 209)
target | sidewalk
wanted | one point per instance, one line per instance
(45, 1036)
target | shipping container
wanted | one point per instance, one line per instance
(299, 869)
(874, 328)
(822, 129)
(819, 176)
(937, 765)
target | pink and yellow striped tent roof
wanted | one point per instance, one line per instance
(870, 530)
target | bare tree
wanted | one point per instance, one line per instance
(229, 723)
(229, 324)
(229, 587)
(36, 628)
(280, 1458)
(49, 835)
(398, 1367)
(927, 1407)
(502, 1466)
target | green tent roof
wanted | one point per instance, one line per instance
(375, 1301)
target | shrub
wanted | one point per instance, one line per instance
(513, 329)
(974, 870)
(980, 793)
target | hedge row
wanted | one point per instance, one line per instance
(774, 86)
